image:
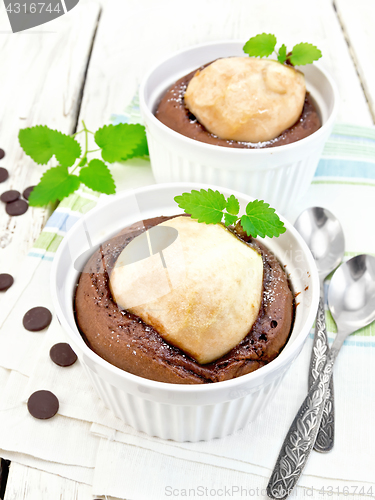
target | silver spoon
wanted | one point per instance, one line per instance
(323, 234)
(351, 299)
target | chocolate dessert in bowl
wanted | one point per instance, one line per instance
(135, 343)
(215, 115)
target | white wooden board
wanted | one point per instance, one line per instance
(45, 71)
(357, 19)
(42, 73)
(133, 36)
(25, 483)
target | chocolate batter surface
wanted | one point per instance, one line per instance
(175, 115)
(124, 340)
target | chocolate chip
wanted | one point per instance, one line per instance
(27, 192)
(37, 319)
(17, 207)
(62, 354)
(3, 174)
(6, 281)
(2, 154)
(43, 404)
(9, 196)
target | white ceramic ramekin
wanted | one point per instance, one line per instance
(173, 411)
(279, 175)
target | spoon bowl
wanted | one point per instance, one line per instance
(323, 234)
(351, 295)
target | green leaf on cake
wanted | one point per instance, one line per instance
(230, 219)
(261, 220)
(260, 45)
(208, 206)
(263, 45)
(204, 205)
(281, 56)
(233, 206)
(304, 53)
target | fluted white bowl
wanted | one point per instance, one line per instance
(174, 411)
(280, 175)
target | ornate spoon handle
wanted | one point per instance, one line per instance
(301, 435)
(325, 438)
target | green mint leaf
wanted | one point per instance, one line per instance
(205, 206)
(141, 149)
(41, 143)
(261, 220)
(304, 53)
(35, 141)
(66, 148)
(281, 56)
(82, 162)
(233, 205)
(55, 184)
(122, 141)
(230, 219)
(97, 176)
(260, 45)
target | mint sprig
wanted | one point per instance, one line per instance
(116, 143)
(41, 143)
(263, 45)
(210, 207)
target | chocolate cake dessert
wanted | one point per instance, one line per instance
(126, 341)
(175, 114)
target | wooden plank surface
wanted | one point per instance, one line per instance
(357, 20)
(133, 36)
(42, 73)
(25, 483)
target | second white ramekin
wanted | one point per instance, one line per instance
(176, 411)
(278, 175)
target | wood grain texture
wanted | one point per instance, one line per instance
(357, 20)
(42, 73)
(133, 36)
(25, 483)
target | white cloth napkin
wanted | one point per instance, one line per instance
(254, 449)
(85, 442)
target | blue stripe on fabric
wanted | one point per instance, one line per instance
(116, 119)
(351, 138)
(345, 168)
(38, 256)
(56, 219)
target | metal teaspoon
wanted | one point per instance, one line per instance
(323, 234)
(351, 299)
